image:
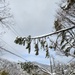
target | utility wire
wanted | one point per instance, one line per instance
(12, 53)
(14, 31)
(21, 30)
(10, 27)
(11, 47)
(7, 23)
(71, 59)
(44, 70)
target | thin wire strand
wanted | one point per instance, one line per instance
(11, 47)
(15, 30)
(71, 60)
(12, 53)
(11, 29)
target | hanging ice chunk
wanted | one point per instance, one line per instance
(64, 5)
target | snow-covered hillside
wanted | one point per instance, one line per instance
(34, 68)
(11, 67)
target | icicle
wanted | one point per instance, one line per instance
(36, 48)
(43, 41)
(29, 43)
(47, 51)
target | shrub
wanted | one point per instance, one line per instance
(4, 73)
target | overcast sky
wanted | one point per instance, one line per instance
(31, 17)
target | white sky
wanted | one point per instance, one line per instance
(32, 17)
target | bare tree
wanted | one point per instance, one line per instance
(5, 14)
(5, 18)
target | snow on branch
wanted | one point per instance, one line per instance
(65, 29)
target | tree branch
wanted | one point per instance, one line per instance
(65, 29)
